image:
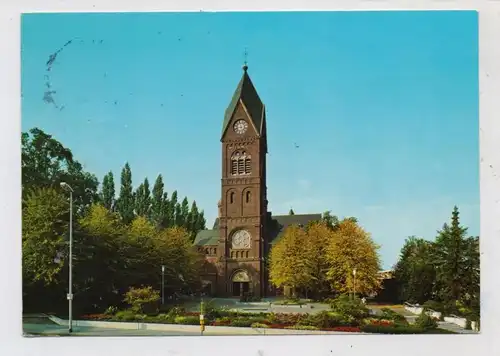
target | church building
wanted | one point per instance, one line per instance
(244, 232)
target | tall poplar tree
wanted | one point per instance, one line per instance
(178, 215)
(143, 200)
(157, 203)
(108, 191)
(125, 204)
(201, 221)
(184, 219)
(167, 216)
(193, 218)
(172, 208)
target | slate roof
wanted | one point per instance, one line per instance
(248, 95)
(279, 223)
(277, 226)
(207, 238)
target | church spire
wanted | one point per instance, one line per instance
(246, 93)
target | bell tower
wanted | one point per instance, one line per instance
(243, 204)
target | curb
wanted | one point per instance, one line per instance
(176, 327)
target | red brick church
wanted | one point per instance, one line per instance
(243, 233)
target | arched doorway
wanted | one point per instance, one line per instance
(240, 283)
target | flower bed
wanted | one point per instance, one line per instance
(97, 317)
(346, 329)
(382, 322)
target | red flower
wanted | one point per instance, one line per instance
(349, 329)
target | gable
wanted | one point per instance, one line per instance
(246, 94)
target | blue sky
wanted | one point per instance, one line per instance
(384, 107)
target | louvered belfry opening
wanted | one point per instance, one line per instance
(234, 166)
(241, 164)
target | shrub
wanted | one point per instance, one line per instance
(450, 308)
(111, 310)
(325, 319)
(259, 326)
(242, 322)
(378, 329)
(286, 319)
(187, 320)
(425, 321)
(346, 306)
(392, 315)
(143, 300)
(164, 318)
(176, 311)
(436, 306)
(125, 315)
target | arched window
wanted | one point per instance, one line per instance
(241, 163)
(232, 254)
(215, 251)
(247, 196)
(206, 251)
(246, 254)
(231, 197)
(237, 254)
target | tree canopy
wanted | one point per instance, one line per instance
(444, 270)
(119, 242)
(321, 258)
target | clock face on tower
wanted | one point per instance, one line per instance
(240, 127)
(241, 239)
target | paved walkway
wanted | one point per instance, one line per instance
(441, 324)
(265, 306)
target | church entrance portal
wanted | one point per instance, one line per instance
(241, 284)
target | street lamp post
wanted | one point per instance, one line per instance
(354, 282)
(68, 188)
(162, 284)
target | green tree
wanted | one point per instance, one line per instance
(415, 272)
(350, 247)
(331, 220)
(184, 214)
(45, 163)
(471, 272)
(45, 219)
(108, 191)
(125, 204)
(289, 262)
(157, 203)
(99, 274)
(173, 218)
(192, 223)
(319, 235)
(167, 215)
(449, 257)
(201, 221)
(143, 199)
(291, 212)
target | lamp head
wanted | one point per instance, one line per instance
(66, 186)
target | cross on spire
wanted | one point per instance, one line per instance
(245, 63)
